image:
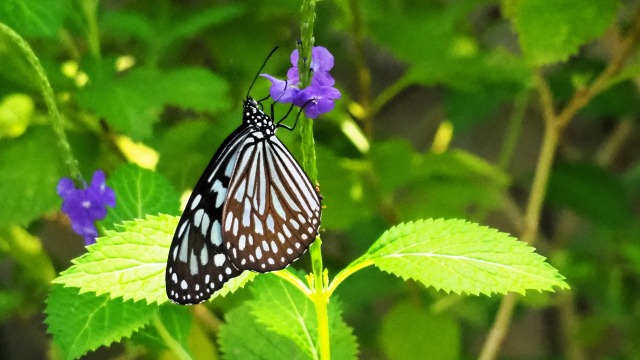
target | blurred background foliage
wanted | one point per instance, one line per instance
(440, 118)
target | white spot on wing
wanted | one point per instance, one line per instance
(242, 242)
(204, 256)
(196, 201)
(193, 264)
(216, 233)
(219, 259)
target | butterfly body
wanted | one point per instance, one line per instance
(253, 208)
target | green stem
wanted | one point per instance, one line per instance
(363, 73)
(342, 275)
(293, 280)
(52, 107)
(388, 94)
(171, 343)
(514, 129)
(319, 296)
(90, 9)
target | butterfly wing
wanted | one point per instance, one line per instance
(272, 212)
(198, 264)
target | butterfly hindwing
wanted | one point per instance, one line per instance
(272, 213)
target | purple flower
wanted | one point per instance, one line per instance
(318, 98)
(85, 206)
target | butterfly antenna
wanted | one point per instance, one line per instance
(259, 71)
(290, 128)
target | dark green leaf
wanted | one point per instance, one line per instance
(30, 167)
(186, 149)
(176, 320)
(591, 192)
(394, 163)
(454, 184)
(345, 195)
(38, 18)
(140, 192)
(408, 330)
(132, 103)
(550, 31)
(264, 345)
(81, 323)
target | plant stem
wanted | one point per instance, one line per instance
(90, 9)
(514, 129)
(318, 295)
(49, 99)
(293, 280)
(555, 123)
(363, 73)
(342, 275)
(171, 343)
(388, 94)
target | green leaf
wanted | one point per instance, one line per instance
(125, 24)
(201, 20)
(435, 42)
(10, 304)
(408, 330)
(131, 262)
(264, 345)
(81, 323)
(186, 149)
(140, 192)
(38, 18)
(130, 105)
(283, 309)
(195, 88)
(451, 184)
(550, 31)
(127, 103)
(29, 176)
(598, 194)
(176, 320)
(461, 257)
(346, 199)
(394, 163)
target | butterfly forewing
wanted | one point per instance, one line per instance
(272, 212)
(198, 264)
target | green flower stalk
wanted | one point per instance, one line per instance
(47, 92)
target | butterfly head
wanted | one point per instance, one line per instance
(254, 116)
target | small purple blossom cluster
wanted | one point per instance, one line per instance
(318, 98)
(85, 206)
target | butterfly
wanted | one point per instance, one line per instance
(254, 208)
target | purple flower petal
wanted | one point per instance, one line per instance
(317, 100)
(322, 79)
(321, 59)
(85, 206)
(294, 58)
(281, 91)
(293, 76)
